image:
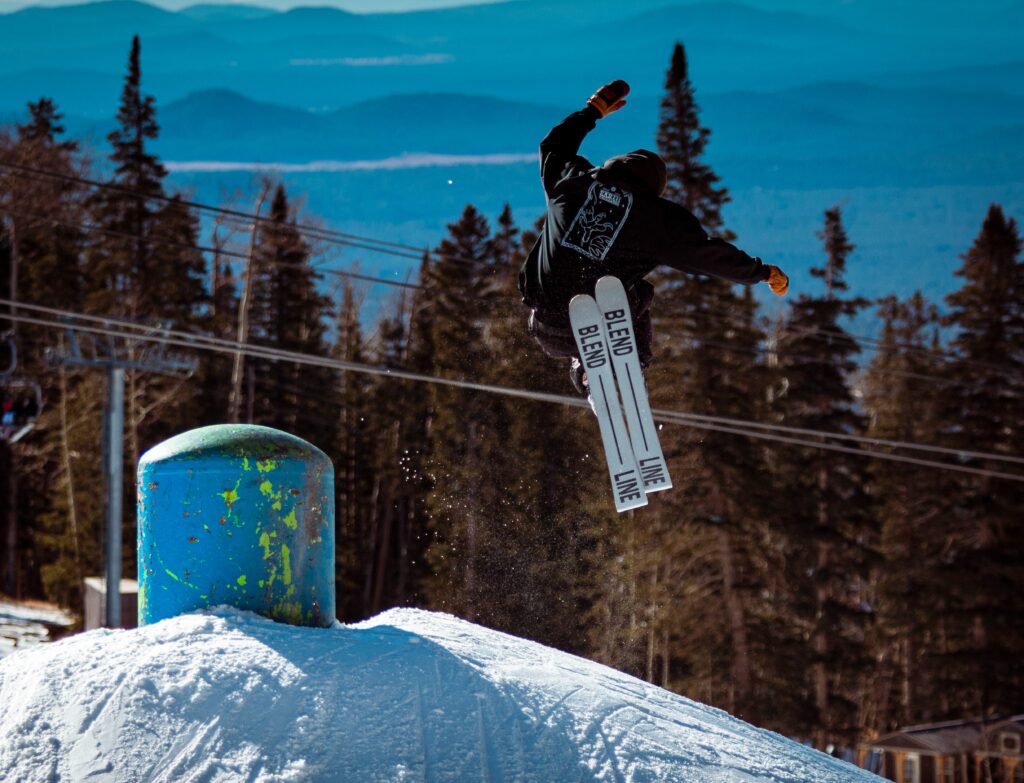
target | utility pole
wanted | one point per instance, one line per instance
(115, 490)
(154, 359)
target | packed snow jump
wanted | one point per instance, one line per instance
(605, 229)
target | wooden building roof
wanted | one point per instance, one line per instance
(953, 737)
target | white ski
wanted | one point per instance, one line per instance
(621, 339)
(627, 486)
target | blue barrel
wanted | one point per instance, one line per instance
(241, 515)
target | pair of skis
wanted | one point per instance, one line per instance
(603, 328)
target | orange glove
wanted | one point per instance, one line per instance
(777, 280)
(610, 97)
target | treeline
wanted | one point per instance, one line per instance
(808, 589)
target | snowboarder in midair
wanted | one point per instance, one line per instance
(611, 219)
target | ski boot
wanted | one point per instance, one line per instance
(578, 376)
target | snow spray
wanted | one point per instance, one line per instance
(241, 515)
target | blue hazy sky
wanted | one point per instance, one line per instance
(873, 9)
(357, 6)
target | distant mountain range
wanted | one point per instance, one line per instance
(222, 125)
(913, 111)
(818, 135)
(547, 51)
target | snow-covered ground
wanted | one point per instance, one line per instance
(26, 625)
(407, 696)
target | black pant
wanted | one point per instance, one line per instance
(558, 342)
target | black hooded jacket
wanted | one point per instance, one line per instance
(612, 220)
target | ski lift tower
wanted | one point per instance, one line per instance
(151, 357)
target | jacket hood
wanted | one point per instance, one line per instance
(641, 168)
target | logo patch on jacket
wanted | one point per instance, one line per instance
(598, 222)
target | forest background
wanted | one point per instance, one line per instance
(805, 585)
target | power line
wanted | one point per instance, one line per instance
(231, 346)
(734, 348)
(878, 343)
(323, 234)
(737, 427)
(215, 251)
(405, 285)
(862, 341)
(746, 424)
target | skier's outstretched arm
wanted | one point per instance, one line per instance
(694, 251)
(559, 151)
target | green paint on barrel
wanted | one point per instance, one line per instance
(197, 490)
(230, 496)
(286, 559)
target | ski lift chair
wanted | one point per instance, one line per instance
(21, 398)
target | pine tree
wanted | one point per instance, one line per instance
(221, 321)
(118, 265)
(411, 346)
(70, 524)
(39, 215)
(981, 528)
(681, 143)
(459, 417)
(289, 313)
(40, 247)
(363, 433)
(173, 294)
(900, 396)
(385, 534)
(829, 527)
(44, 125)
(176, 291)
(43, 212)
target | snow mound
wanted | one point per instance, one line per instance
(407, 696)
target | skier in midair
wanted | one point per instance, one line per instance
(611, 219)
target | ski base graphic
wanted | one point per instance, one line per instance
(588, 330)
(621, 340)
